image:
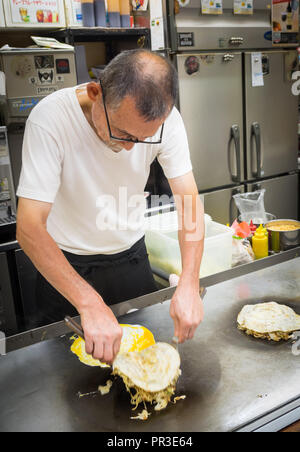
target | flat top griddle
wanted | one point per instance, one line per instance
(229, 378)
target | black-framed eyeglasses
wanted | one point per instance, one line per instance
(129, 140)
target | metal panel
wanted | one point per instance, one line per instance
(276, 420)
(15, 132)
(229, 379)
(218, 37)
(8, 320)
(211, 106)
(54, 330)
(29, 77)
(220, 204)
(5, 170)
(26, 274)
(211, 32)
(271, 117)
(281, 196)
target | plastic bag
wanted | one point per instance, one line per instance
(251, 205)
(242, 252)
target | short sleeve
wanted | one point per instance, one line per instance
(174, 155)
(41, 164)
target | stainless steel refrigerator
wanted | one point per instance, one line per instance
(242, 137)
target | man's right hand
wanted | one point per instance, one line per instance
(102, 332)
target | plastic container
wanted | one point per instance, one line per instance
(113, 9)
(283, 240)
(88, 13)
(125, 13)
(100, 13)
(164, 251)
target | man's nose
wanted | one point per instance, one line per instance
(128, 146)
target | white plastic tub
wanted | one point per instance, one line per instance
(164, 251)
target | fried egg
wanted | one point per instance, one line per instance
(270, 321)
(135, 338)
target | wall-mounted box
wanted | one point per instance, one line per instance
(29, 14)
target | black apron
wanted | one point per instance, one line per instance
(116, 277)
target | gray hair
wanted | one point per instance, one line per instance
(147, 77)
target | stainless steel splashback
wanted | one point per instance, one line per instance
(196, 31)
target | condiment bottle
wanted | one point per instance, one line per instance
(252, 227)
(260, 243)
(266, 232)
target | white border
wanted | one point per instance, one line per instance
(2, 18)
(9, 23)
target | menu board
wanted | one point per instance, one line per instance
(2, 20)
(285, 22)
(34, 13)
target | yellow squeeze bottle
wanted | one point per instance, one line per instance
(260, 243)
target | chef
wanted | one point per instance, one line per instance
(86, 158)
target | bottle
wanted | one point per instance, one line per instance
(113, 8)
(260, 243)
(100, 13)
(252, 227)
(125, 13)
(289, 17)
(88, 15)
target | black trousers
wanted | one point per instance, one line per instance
(116, 277)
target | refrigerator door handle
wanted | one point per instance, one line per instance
(236, 137)
(256, 134)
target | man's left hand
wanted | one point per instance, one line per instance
(186, 311)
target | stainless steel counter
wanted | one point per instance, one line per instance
(231, 381)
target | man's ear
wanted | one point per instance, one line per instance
(94, 91)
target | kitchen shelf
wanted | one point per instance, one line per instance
(92, 34)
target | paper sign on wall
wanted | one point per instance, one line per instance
(156, 25)
(257, 72)
(244, 7)
(34, 13)
(212, 6)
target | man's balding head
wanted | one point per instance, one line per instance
(145, 76)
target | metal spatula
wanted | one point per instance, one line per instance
(74, 326)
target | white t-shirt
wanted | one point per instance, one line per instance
(65, 163)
